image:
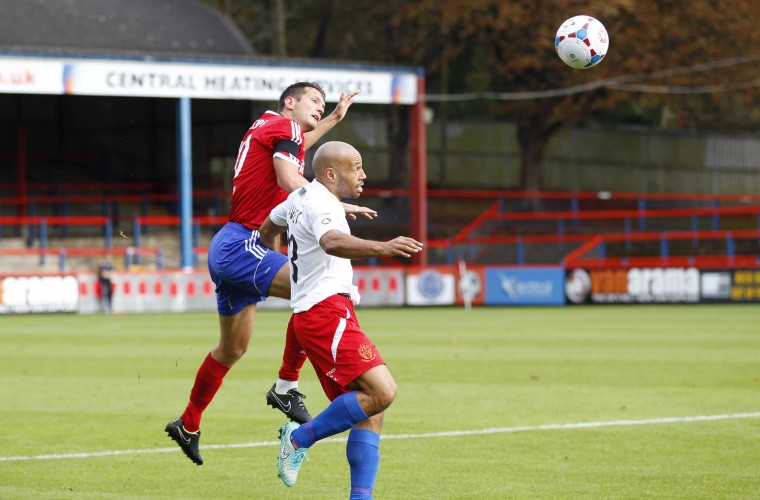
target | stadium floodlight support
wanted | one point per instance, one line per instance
(419, 171)
(185, 181)
(21, 168)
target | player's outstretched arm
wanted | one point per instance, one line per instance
(328, 122)
(344, 245)
(353, 210)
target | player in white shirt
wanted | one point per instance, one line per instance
(316, 275)
(348, 365)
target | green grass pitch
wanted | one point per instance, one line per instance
(535, 403)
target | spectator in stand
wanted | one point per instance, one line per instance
(105, 268)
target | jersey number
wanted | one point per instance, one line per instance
(293, 257)
(242, 153)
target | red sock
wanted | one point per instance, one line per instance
(207, 382)
(293, 357)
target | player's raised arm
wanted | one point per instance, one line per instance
(329, 121)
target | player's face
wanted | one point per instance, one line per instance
(308, 110)
(351, 177)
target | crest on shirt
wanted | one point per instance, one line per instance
(325, 219)
(365, 352)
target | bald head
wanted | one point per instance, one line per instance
(338, 166)
(333, 154)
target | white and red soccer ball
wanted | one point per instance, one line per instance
(581, 42)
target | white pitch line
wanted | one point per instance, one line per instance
(473, 432)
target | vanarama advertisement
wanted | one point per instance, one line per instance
(635, 285)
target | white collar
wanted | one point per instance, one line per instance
(322, 187)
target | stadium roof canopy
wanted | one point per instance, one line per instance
(152, 28)
(163, 48)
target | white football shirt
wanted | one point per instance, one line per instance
(310, 212)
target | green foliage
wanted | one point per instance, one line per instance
(87, 384)
(507, 46)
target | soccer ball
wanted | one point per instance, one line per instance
(581, 42)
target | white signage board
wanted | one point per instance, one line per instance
(131, 78)
(35, 294)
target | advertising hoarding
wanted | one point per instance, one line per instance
(430, 287)
(635, 285)
(731, 285)
(39, 294)
(128, 78)
(525, 286)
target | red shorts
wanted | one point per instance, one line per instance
(330, 335)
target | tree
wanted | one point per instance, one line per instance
(260, 21)
(504, 48)
(647, 37)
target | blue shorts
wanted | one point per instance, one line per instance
(241, 268)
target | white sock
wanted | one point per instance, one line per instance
(283, 386)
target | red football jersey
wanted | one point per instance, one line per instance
(254, 187)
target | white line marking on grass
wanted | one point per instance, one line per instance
(581, 425)
(473, 432)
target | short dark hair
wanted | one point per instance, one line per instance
(297, 90)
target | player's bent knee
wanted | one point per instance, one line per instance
(238, 351)
(389, 394)
(229, 354)
(384, 394)
(377, 387)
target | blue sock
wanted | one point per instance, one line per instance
(342, 414)
(363, 453)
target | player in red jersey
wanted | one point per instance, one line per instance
(269, 165)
